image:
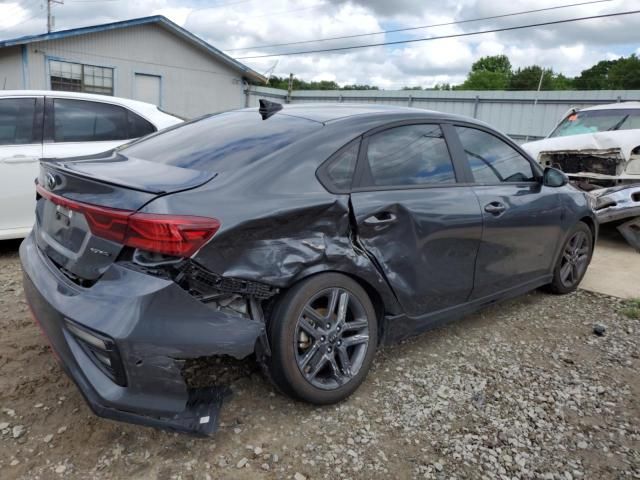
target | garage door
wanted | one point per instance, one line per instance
(147, 88)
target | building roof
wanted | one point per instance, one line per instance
(155, 19)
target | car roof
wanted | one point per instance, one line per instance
(332, 112)
(78, 95)
(148, 110)
(613, 106)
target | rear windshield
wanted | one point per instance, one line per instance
(221, 142)
(591, 121)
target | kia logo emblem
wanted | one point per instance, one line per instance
(51, 181)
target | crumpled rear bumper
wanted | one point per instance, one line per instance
(153, 324)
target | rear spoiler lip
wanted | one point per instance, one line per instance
(60, 165)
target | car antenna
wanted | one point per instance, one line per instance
(267, 108)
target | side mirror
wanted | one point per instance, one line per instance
(554, 178)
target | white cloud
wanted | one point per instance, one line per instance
(232, 24)
(177, 15)
(11, 15)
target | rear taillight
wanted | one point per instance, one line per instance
(178, 235)
(175, 235)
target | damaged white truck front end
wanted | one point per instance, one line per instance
(601, 159)
(599, 149)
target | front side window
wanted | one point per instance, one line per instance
(84, 121)
(77, 77)
(409, 155)
(16, 121)
(492, 160)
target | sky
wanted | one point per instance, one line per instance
(230, 25)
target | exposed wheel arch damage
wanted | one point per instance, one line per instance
(331, 246)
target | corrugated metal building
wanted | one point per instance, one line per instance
(150, 59)
(520, 114)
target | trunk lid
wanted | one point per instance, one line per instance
(117, 183)
(135, 173)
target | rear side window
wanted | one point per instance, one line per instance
(409, 155)
(17, 121)
(222, 142)
(138, 126)
(84, 121)
(340, 169)
(492, 160)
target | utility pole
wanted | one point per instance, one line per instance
(290, 88)
(535, 102)
(50, 17)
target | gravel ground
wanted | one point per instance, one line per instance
(522, 390)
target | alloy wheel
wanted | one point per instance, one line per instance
(575, 259)
(331, 338)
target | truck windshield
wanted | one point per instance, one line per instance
(591, 121)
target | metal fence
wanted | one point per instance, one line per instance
(520, 114)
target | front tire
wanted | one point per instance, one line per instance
(323, 336)
(573, 262)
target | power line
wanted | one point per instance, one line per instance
(406, 29)
(442, 37)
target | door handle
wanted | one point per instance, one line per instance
(380, 218)
(19, 159)
(495, 208)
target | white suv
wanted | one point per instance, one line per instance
(50, 124)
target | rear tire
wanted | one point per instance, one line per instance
(323, 336)
(573, 261)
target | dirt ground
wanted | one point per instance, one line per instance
(522, 390)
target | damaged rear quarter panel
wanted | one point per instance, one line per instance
(279, 231)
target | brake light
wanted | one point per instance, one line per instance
(178, 235)
(181, 236)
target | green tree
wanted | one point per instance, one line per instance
(488, 73)
(560, 82)
(528, 78)
(356, 86)
(442, 86)
(484, 80)
(625, 74)
(299, 84)
(595, 77)
(620, 74)
(493, 63)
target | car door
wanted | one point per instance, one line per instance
(20, 152)
(521, 216)
(422, 227)
(75, 127)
